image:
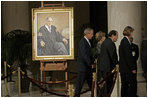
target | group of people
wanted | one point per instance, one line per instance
(107, 61)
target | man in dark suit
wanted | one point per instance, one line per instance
(127, 67)
(85, 61)
(50, 41)
(108, 59)
(135, 54)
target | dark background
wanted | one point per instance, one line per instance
(98, 15)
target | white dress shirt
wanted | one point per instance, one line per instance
(128, 40)
(133, 52)
(48, 28)
(87, 41)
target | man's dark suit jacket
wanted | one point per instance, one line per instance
(85, 57)
(126, 60)
(108, 57)
(136, 50)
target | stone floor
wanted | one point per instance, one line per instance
(35, 92)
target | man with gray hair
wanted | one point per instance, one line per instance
(85, 61)
(50, 41)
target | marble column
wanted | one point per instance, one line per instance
(132, 13)
(122, 14)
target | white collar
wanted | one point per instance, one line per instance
(86, 38)
(48, 28)
(128, 40)
(87, 41)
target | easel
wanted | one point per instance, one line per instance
(44, 5)
(54, 65)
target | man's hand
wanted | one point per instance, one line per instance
(65, 41)
(134, 71)
(42, 44)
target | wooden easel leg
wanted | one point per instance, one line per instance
(41, 67)
(66, 78)
(42, 3)
(44, 85)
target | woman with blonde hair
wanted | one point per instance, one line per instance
(100, 37)
(127, 65)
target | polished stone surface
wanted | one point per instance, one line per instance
(35, 92)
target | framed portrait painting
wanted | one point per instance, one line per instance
(52, 33)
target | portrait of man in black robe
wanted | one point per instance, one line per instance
(50, 41)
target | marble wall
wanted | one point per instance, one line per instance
(132, 13)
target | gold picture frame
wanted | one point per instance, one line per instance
(52, 33)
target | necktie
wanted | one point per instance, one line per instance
(49, 29)
(89, 43)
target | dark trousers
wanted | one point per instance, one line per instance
(108, 83)
(82, 76)
(128, 85)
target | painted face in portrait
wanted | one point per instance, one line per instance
(49, 21)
